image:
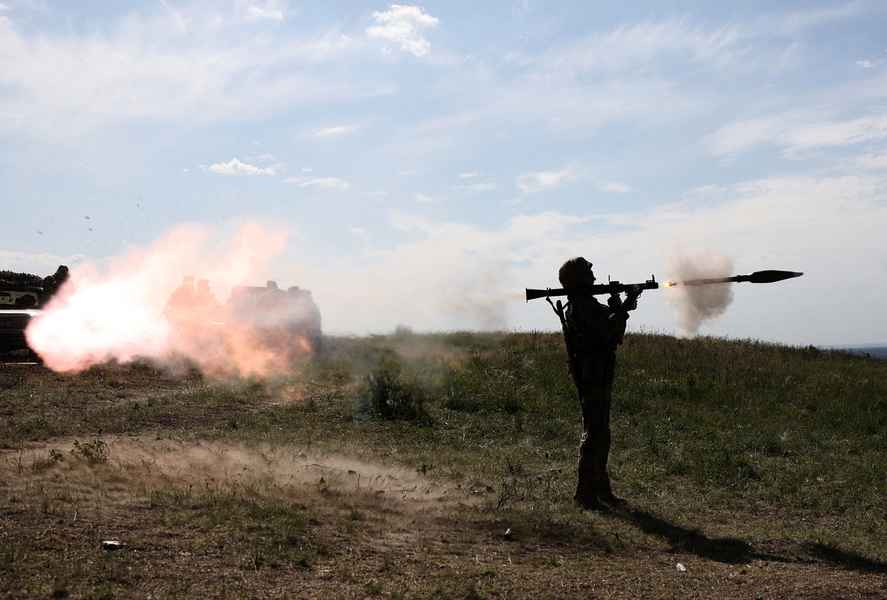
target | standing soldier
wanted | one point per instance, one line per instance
(53, 283)
(592, 331)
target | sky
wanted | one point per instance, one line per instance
(430, 161)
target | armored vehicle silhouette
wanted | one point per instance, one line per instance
(22, 295)
(286, 322)
(281, 317)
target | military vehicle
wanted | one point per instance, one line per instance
(285, 321)
(278, 316)
(22, 295)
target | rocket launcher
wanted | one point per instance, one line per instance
(614, 287)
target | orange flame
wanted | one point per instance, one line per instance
(122, 314)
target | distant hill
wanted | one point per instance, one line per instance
(873, 351)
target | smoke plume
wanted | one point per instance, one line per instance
(123, 310)
(695, 304)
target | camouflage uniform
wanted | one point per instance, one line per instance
(592, 332)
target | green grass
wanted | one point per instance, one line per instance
(732, 451)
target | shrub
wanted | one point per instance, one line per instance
(388, 394)
(93, 452)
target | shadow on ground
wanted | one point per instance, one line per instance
(737, 551)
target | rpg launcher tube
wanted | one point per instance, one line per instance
(614, 287)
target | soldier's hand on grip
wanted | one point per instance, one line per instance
(631, 300)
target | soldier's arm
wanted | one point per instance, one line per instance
(617, 318)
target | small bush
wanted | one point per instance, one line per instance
(388, 394)
(94, 452)
(457, 394)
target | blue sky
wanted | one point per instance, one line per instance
(432, 160)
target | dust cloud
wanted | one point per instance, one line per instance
(696, 304)
(133, 466)
(137, 306)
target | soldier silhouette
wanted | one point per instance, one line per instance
(53, 283)
(592, 331)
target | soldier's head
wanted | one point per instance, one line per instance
(576, 273)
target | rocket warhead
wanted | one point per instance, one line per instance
(771, 276)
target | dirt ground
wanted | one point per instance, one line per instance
(161, 508)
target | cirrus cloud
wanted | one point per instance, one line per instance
(335, 131)
(324, 183)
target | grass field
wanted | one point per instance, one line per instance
(443, 466)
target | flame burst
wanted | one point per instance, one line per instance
(122, 312)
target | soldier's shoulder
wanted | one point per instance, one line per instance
(587, 300)
(587, 303)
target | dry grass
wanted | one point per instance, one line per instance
(759, 468)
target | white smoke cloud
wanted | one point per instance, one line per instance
(698, 303)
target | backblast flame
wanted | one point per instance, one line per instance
(123, 313)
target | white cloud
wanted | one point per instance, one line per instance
(865, 64)
(836, 133)
(742, 135)
(323, 183)
(336, 131)
(170, 66)
(424, 199)
(236, 167)
(469, 175)
(529, 183)
(615, 187)
(403, 25)
(795, 133)
(479, 186)
(272, 10)
(3, 7)
(798, 21)
(874, 162)
(633, 46)
(359, 232)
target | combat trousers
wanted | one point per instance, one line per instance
(595, 386)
